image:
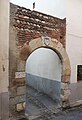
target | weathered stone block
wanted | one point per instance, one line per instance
(19, 107)
(19, 82)
(21, 90)
(64, 86)
(65, 95)
(65, 79)
(13, 92)
(12, 101)
(17, 100)
(20, 99)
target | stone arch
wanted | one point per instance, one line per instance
(55, 45)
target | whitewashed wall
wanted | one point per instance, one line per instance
(44, 63)
(74, 45)
(74, 36)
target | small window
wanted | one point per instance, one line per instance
(79, 73)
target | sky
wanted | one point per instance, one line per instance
(51, 7)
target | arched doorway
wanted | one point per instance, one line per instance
(43, 72)
(57, 48)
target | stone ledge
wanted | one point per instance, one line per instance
(77, 103)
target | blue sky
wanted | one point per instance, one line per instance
(51, 7)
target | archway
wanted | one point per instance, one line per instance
(43, 72)
(61, 52)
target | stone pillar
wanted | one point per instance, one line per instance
(4, 59)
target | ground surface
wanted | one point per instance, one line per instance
(71, 114)
(42, 107)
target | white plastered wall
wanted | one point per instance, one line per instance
(44, 63)
(74, 36)
(4, 45)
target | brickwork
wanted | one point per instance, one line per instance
(32, 24)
